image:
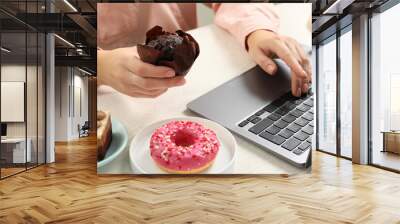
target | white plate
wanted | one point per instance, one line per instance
(142, 163)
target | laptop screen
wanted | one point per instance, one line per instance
(3, 129)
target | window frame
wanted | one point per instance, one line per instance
(333, 37)
(381, 9)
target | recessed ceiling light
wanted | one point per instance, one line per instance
(5, 50)
(65, 41)
(84, 71)
(70, 5)
(337, 7)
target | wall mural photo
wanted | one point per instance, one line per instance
(190, 96)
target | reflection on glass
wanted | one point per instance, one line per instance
(327, 97)
(31, 100)
(14, 153)
(385, 86)
(22, 91)
(346, 94)
(41, 99)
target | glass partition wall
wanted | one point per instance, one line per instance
(22, 98)
(345, 109)
(334, 94)
(385, 89)
(327, 96)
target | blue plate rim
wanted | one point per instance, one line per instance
(122, 145)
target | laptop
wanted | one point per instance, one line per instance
(260, 108)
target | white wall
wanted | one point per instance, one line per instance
(80, 84)
(69, 85)
(61, 104)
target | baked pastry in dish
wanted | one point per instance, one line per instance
(184, 147)
(176, 50)
(104, 133)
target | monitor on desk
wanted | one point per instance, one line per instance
(3, 130)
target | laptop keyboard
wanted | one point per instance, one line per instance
(287, 122)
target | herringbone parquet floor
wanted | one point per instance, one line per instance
(69, 191)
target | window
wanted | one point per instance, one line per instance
(385, 88)
(333, 137)
(22, 78)
(346, 93)
(327, 96)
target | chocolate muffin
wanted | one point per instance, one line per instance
(176, 50)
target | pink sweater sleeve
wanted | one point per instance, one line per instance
(242, 19)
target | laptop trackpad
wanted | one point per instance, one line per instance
(236, 99)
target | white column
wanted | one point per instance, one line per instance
(360, 90)
(50, 99)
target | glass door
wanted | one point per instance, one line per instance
(385, 90)
(14, 155)
(334, 97)
(346, 92)
(22, 93)
(326, 138)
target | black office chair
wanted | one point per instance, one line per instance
(84, 130)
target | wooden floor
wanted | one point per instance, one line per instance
(10, 171)
(69, 191)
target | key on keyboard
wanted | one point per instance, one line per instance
(243, 123)
(256, 120)
(286, 133)
(273, 130)
(260, 126)
(274, 116)
(296, 113)
(294, 127)
(281, 124)
(291, 144)
(301, 121)
(301, 136)
(305, 146)
(298, 151)
(289, 118)
(272, 138)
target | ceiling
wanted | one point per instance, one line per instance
(72, 20)
(331, 15)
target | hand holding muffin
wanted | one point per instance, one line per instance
(125, 72)
(164, 59)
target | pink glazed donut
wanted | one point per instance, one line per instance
(183, 147)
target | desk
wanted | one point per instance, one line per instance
(391, 141)
(17, 151)
(221, 59)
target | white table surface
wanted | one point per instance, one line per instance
(221, 59)
(19, 152)
(13, 140)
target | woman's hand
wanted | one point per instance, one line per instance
(124, 71)
(264, 45)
